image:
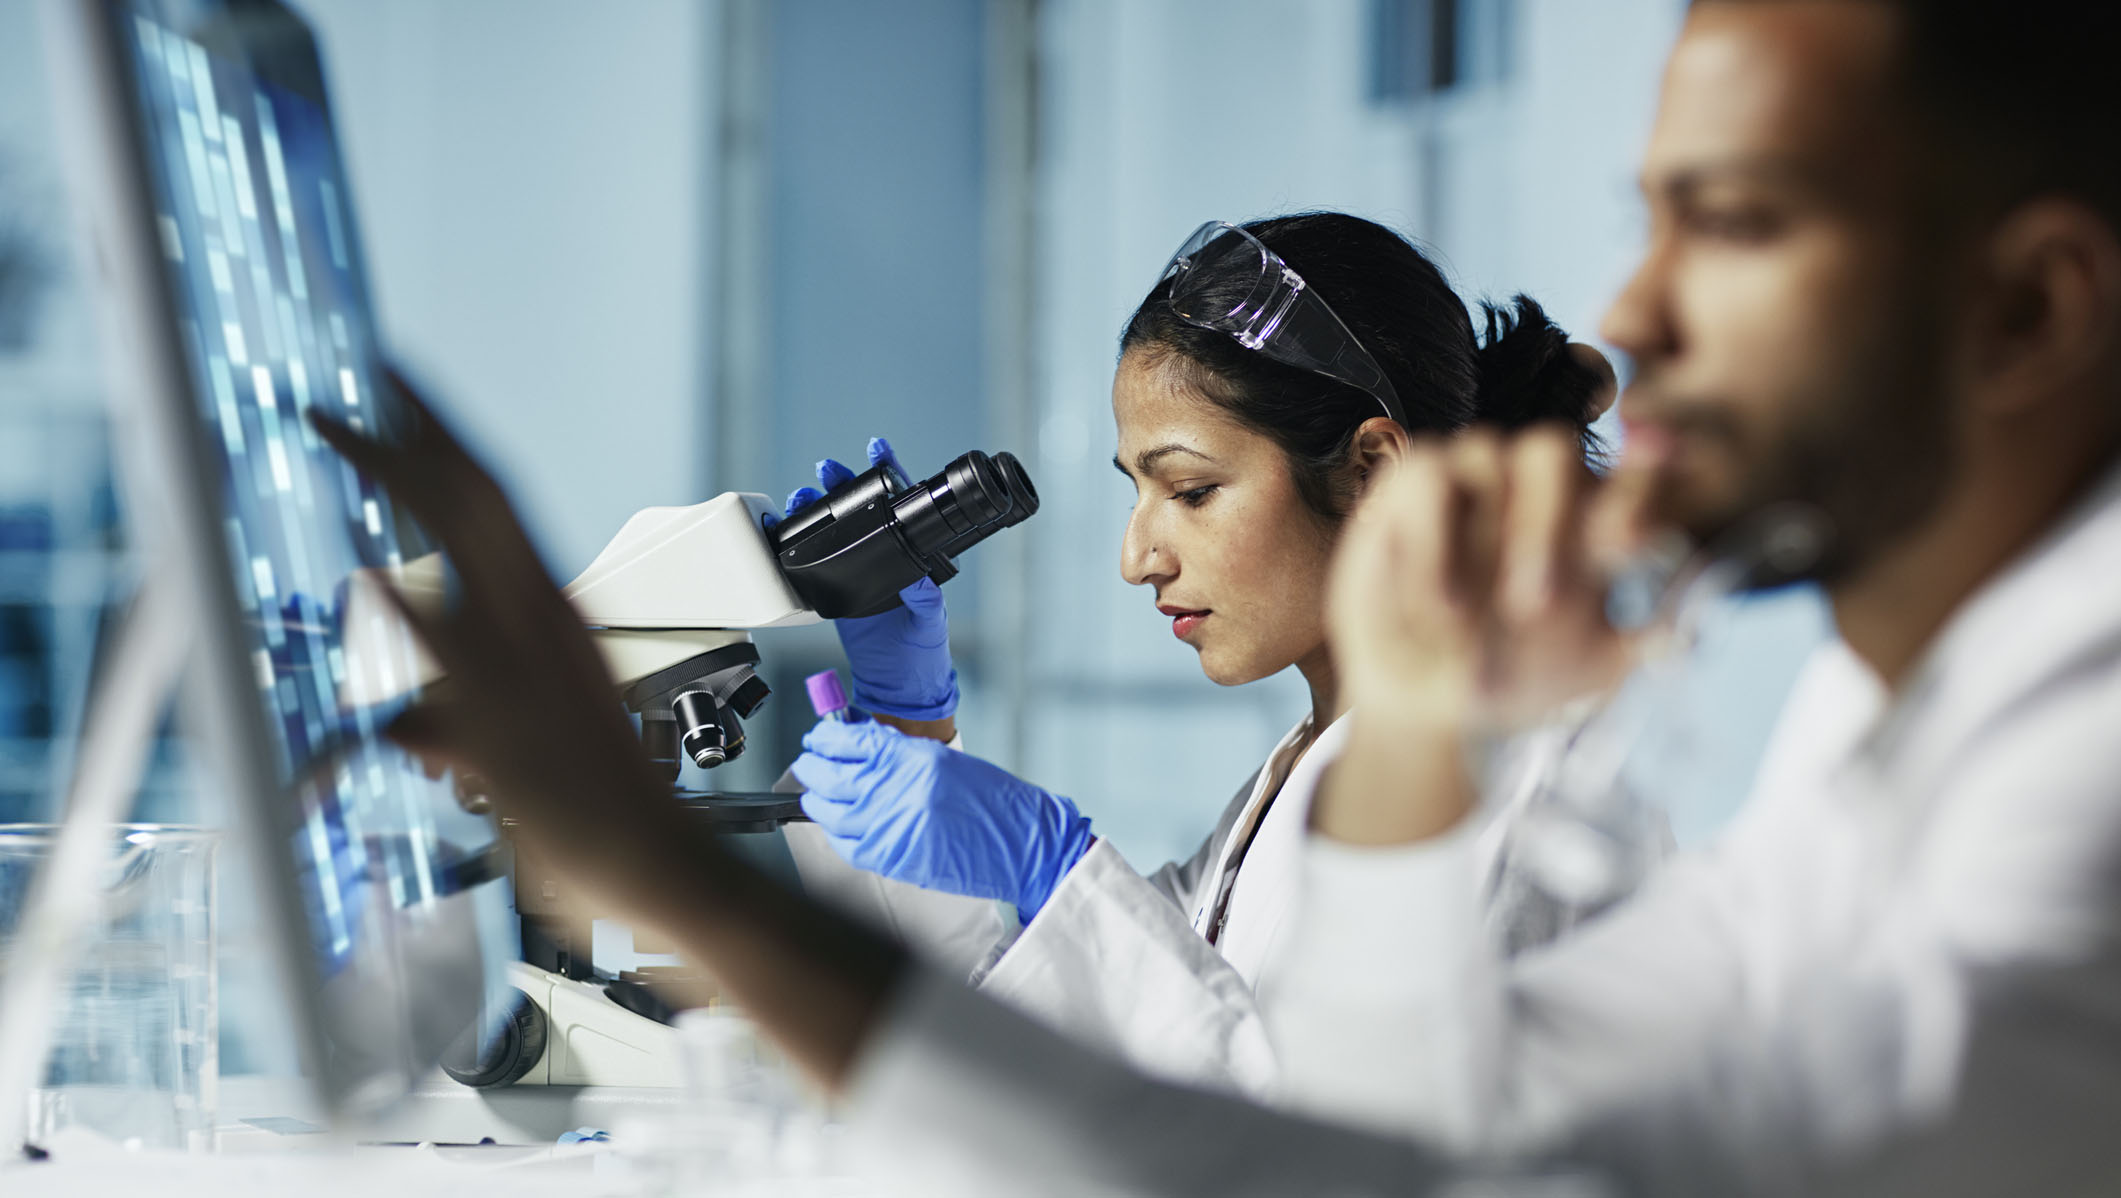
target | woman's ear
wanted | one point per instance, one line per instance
(1380, 444)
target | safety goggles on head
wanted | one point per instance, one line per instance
(1225, 279)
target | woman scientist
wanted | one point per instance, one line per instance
(1270, 373)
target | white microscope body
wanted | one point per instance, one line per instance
(671, 602)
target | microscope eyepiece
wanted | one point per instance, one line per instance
(850, 553)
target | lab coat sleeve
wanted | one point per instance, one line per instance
(1114, 959)
(1732, 1029)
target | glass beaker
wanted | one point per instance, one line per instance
(135, 1048)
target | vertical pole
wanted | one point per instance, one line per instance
(1011, 153)
(739, 266)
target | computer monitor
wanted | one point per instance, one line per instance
(203, 149)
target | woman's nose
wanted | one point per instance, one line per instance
(1141, 560)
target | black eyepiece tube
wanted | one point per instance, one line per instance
(850, 553)
(1005, 498)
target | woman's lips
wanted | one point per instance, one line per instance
(1183, 620)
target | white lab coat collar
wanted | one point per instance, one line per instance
(1281, 775)
(2059, 601)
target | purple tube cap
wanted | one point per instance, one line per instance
(826, 694)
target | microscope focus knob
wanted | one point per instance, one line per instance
(511, 1053)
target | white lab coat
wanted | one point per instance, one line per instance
(1898, 973)
(1124, 962)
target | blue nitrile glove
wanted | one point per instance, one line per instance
(920, 811)
(900, 658)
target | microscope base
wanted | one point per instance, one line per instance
(591, 1040)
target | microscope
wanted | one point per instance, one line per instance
(672, 602)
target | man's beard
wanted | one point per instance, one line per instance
(1861, 459)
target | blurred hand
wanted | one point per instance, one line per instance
(1469, 592)
(900, 658)
(1468, 598)
(528, 704)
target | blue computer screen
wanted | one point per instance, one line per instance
(261, 257)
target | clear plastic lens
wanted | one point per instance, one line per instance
(1217, 253)
(1277, 314)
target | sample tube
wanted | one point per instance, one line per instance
(829, 699)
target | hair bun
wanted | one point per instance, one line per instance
(1528, 375)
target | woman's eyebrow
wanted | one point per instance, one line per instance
(1146, 461)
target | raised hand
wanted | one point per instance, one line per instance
(1468, 599)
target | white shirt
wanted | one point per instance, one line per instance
(1898, 972)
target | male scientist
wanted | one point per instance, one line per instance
(1882, 296)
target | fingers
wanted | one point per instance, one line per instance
(1620, 523)
(428, 430)
(451, 496)
(1542, 530)
(1414, 514)
(1366, 568)
(386, 466)
(434, 490)
(801, 498)
(835, 740)
(822, 811)
(830, 777)
(830, 474)
(880, 454)
(836, 795)
(1480, 478)
(1462, 588)
(424, 731)
(427, 627)
(924, 599)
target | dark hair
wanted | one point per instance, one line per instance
(1398, 304)
(2017, 97)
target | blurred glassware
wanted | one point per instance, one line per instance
(747, 1124)
(1588, 838)
(136, 1054)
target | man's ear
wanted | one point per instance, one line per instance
(2051, 317)
(1380, 445)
